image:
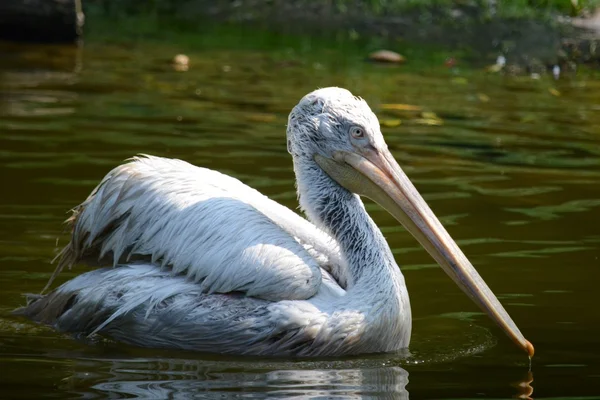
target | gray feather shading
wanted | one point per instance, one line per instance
(146, 306)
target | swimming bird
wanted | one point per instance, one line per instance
(194, 259)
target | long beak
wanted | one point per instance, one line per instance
(375, 174)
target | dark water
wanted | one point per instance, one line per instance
(510, 165)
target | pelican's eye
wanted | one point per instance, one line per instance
(357, 132)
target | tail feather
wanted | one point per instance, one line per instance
(145, 306)
(47, 309)
(78, 249)
(68, 256)
(89, 302)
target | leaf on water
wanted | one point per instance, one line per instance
(429, 115)
(429, 118)
(400, 107)
(390, 123)
(459, 80)
(429, 122)
(494, 68)
(554, 92)
(483, 97)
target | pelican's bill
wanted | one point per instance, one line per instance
(376, 175)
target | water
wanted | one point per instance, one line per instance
(510, 165)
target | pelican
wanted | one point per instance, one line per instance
(194, 259)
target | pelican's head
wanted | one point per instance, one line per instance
(329, 120)
(341, 134)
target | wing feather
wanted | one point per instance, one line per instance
(210, 227)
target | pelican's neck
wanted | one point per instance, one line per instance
(376, 288)
(343, 215)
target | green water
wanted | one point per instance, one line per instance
(510, 165)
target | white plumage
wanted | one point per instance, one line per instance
(220, 233)
(195, 259)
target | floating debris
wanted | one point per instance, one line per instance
(500, 64)
(556, 72)
(181, 62)
(501, 60)
(387, 56)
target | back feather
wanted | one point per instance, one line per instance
(220, 233)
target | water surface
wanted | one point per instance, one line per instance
(510, 165)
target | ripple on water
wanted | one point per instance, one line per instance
(176, 375)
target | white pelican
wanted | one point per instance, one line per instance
(194, 259)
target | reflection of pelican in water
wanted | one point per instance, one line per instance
(204, 262)
(167, 377)
(184, 379)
